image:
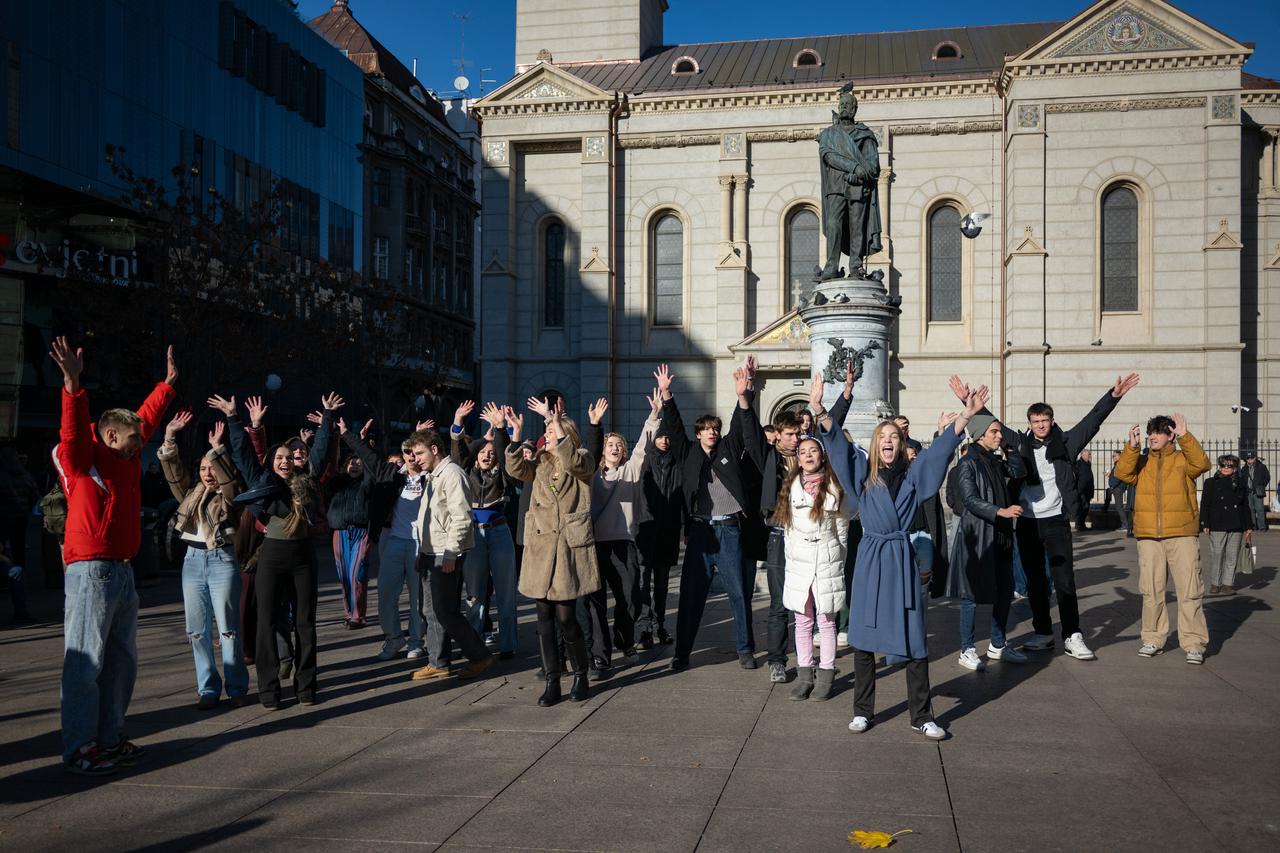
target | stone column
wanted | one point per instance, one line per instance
(740, 212)
(850, 318)
(726, 213)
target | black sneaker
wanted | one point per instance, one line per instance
(646, 640)
(307, 697)
(599, 669)
(125, 754)
(90, 761)
(271, 703)
(679, 664)
(663, 637)
(207, 702)
(747, 661)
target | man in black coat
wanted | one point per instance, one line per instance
(1049, 498)
(1256, 479)
(715, 473)
(1084, 487)
(658, 537)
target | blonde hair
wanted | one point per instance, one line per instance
(830, 485)
(626, 448)
(873, 471)
(571, 435)
(117, 418)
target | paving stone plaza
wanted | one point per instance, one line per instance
(1118, 754)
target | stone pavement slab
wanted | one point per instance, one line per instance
(1118, 754)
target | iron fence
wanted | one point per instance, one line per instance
(1268, 451)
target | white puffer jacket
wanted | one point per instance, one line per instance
(816, 553)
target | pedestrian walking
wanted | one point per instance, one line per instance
(1227, 519)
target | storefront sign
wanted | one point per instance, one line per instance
(57, 259)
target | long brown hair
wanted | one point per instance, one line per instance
(873, 470)
(571, 435)
(626, 448)
(830, 484)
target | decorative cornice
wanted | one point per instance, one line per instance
(805, 134)
(1124, 105)
(534, 107)
(549, 146)
(671, 141)
(790, 134)
(939, 127)
(1113, 65)
(794, 97)
(1259, 97)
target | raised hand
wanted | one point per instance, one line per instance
(959, 388)
(342, 426)
(69, 361)
(427, 424)
(516, 421)
(306, 435)
(1124, 384)
(1135, 437)
(539, 408)
(816, 389)
(222, 404)
(751, 367)
(493, 415)
(848, 379)
(464, 409)
(257, 411)
(655, 404)
(741, 382)
(364, 430)
(216, 434)
(332, 401)
(977, 402)
(595, 413)
(170, 367)
(558, 408)
(316, 417)
(945, 418)
(1179, 425)
(664, 377)
(180, 420)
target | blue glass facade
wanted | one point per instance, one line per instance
(168, 79)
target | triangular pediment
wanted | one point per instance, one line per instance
(543, 82)
(1223, 239)
(787, 332)
(1114, 29)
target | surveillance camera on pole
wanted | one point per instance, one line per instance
(971, 225)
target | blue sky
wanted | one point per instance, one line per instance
(430, 31)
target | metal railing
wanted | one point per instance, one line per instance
(1268, 450)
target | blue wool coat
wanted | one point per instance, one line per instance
(887, 604)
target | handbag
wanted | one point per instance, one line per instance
(1244, 562)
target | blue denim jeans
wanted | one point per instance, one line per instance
(713, 548)
(922, 545)
(494, 555)
(211, 592)
(969, 618)
(397, 559)
(100, 658)
(1019, 574)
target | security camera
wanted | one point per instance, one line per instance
(971, 225)
(1240, 407)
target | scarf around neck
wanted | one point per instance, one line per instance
(811, 483)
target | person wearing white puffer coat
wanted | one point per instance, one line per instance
(815, 518)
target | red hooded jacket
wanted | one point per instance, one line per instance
(104, 492)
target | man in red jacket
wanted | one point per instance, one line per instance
(101, 476)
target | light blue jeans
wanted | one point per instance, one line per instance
(397, 561)
(922, 545)
(100, 657)
(211, 592)
(494, 555)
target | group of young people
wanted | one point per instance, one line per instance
(851, 539)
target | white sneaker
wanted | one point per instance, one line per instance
(1149, 650)
(1195, 656)
(1039, 643)
(931, 730)
(969, 660)
(1074, 646)
(1008, 654)
(858, 725)
(390, 648)
(842, 640)
(416, 653)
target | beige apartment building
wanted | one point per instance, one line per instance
(645, 202)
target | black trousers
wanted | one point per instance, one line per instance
(864, 688)
(280, 562)
(1038, 539)
(1119, 493)
(442, 597)
(780, 618)
(620, 574)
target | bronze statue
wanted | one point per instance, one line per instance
(850, 162)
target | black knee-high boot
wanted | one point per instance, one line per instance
(550, 663)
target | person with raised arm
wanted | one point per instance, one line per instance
(714, 475)
(493, 559)
(658, 537)
(284, 495)
(99, 469)
(890, 595)
(1050, 499)
(560, 562)
(617, 504)
(347, 512)
(206, 522)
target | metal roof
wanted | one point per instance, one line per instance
(865, 58)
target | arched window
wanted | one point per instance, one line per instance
(946, 50)
(802, 255)
(807, 58)
(667, 270)
(1120, 249)
(945, 264)
(553, 253)
(684, 65)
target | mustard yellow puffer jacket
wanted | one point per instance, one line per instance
(1165, 503)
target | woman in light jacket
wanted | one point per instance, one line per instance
(207, 521)
(814, 518)
(559, 562)
(617, 506)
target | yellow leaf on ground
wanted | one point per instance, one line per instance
(874, 839)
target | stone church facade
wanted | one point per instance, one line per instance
(646, 202)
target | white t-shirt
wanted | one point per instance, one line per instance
(404, 518)
(1044, 500)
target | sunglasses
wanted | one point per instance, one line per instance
(1228, 467)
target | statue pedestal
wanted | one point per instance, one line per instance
(850, 318)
